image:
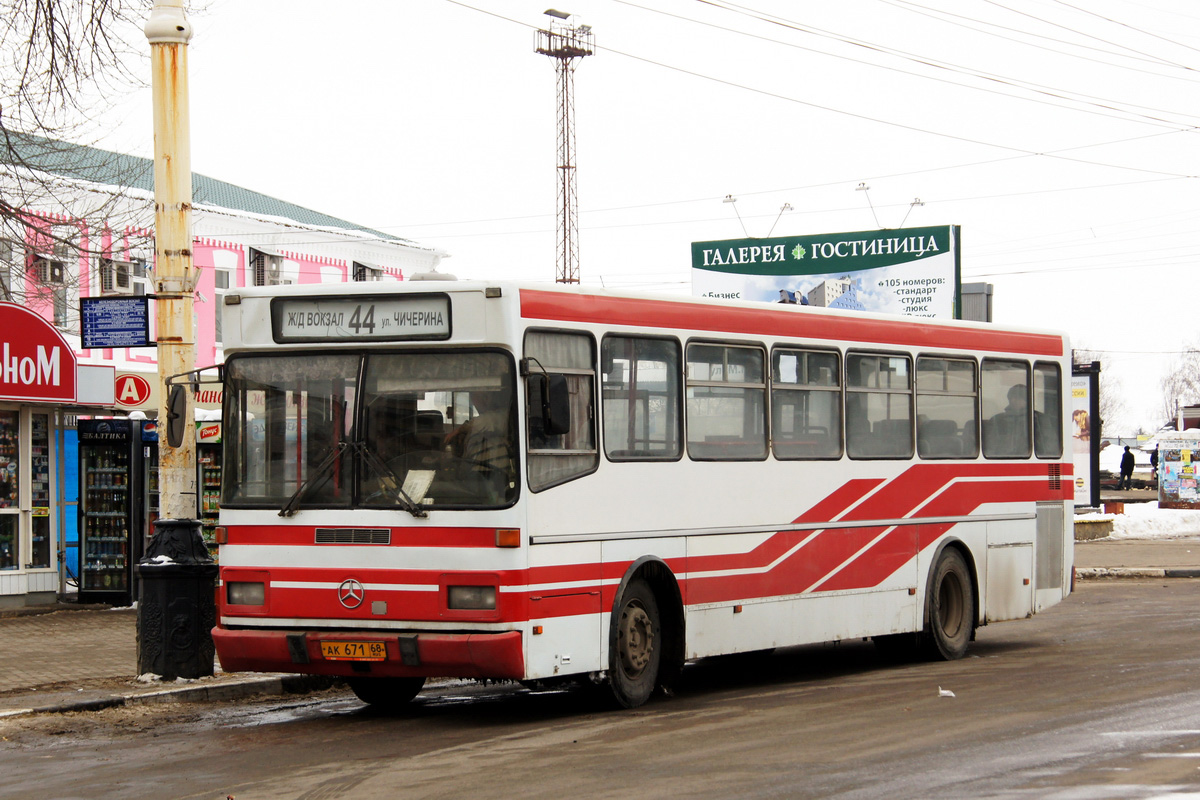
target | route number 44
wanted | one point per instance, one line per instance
(360, 322)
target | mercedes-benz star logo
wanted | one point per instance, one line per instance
(351, 593)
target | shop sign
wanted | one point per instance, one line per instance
(35, 361)
(208, 433)
(132, 390)
(138, 391)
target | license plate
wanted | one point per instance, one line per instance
(354, 651)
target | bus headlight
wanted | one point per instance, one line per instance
(471, 597)
(245, 593)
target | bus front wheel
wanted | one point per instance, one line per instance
(386, 694)
(950, 608)
(636, 650)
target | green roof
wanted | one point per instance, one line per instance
(116, 169)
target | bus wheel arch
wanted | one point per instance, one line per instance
(951, 606)
(648, 603)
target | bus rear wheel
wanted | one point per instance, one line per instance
(386, 694)
(950, 608)
(636, 650)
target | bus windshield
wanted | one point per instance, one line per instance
(410, 430)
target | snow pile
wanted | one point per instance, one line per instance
(151, 677)
(1148, 521)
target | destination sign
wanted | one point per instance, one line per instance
(372, 318)
(114, 322)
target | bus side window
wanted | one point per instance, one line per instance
(1006, 417)
(726, 402)
(641, 398)
(879, 403)
(946, 400)
(806, 404)
(557, 458)
(1047, 410)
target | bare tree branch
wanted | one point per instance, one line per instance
(1181, 385)
(62, 64)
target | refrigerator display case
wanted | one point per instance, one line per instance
(112, 509)
(150, 474)
(10, 428)
(40, 487)
(208, 479)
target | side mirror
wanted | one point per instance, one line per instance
(606, 361)
(176, 414)
(556, 404)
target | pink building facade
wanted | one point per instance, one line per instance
(51, 260)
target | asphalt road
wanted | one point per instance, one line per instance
(1097, 698)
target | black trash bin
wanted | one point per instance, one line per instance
(177, 609)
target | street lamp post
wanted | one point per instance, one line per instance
(168, 32)
(176, 608)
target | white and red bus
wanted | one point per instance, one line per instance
(536, 482)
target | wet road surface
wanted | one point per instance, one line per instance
(1097, 698)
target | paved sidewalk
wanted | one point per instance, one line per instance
(69, 657)
(1138, 558)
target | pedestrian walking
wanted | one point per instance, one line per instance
(1126, 481)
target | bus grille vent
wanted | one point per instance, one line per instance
(354, 536)
(1056, 477)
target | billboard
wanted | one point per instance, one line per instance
(909, 271)
(1178, 485)
(1085, 432)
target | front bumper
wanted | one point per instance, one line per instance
(457, 655)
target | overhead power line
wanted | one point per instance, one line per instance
(1102, 106)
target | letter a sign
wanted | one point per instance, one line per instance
(132, 390)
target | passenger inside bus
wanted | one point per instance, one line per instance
(486, 439)
(1007, 433)
(409, 448)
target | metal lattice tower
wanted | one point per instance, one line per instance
(566, 43)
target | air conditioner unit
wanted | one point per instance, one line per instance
(366, 272)
(121, 278)
(49, 270)
(268, 268)
(275, 272)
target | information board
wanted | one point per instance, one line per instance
(361, 318)
(115, 322)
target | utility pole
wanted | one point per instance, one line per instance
(566, 43)
(168, 32)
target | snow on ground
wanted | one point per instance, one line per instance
(1148, 521)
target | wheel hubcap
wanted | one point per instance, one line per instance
(635, 639)
(950, 606)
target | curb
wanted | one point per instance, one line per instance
(280, 685)
(1090, 573)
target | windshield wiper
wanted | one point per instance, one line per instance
(388, 480)
(322, 470)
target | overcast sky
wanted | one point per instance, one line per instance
(1055, 132)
